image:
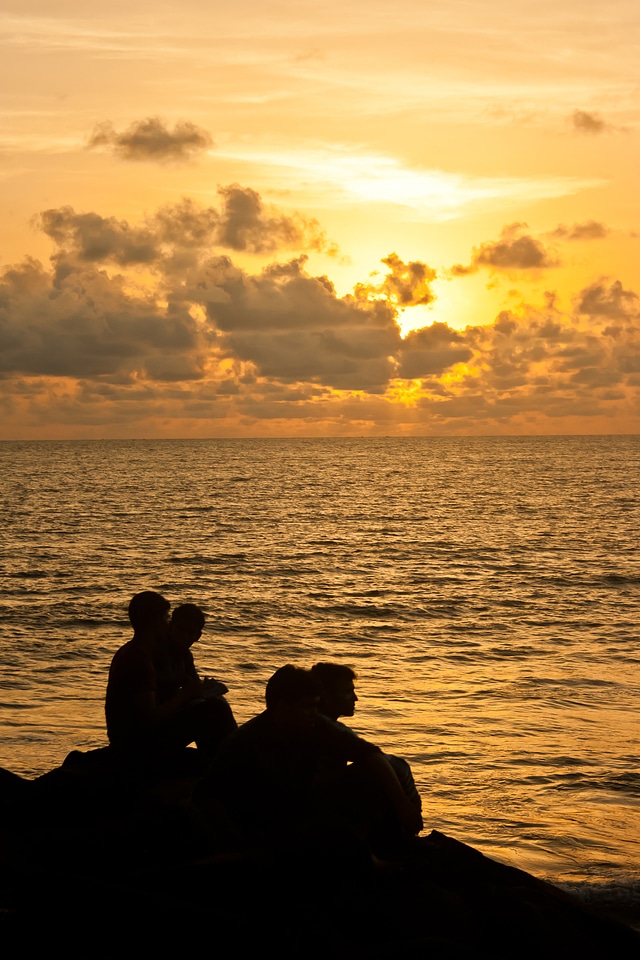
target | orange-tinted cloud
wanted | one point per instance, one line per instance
(76, 321)
(589, 230)
(97, 239)
(589, 123)
(612, 301)
(405, 285)
(213, 342)
(245, 224)
(151, 139)
(432, 350)
(293, 328)
(514, 251)
(241, 223)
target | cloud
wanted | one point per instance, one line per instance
(242, 223)
(405, 285)
(432, 350)
(245, 224)
(589, 230)
(515, 250)
(95, 239)
(589, 123)
(292, 327)
(349, 174)
(612, 301)
(151, 139)
(78, 322)
(198, 339)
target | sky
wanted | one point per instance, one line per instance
(319, 219)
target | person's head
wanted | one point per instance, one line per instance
(292, 695)
(337, 693)
(187, 623)
(149, 614)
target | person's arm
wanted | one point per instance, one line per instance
(381, 773)
(384, 776)
(190, 690)
(152, 714)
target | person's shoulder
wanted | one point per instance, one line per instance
(336, 724)
(123, 653)
(244, 741)
(339, 734)
(251, 729)
(131, 657)
(334, 727)
(255, 723)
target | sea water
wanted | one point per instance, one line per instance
(485, 590)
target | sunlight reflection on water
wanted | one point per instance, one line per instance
(486, 591)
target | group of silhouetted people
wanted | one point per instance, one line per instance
(291, 771)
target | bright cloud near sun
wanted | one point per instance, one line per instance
(430, 194)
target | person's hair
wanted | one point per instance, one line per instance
(146, 606)
(329, 675)
(188, 615)
(289, 684)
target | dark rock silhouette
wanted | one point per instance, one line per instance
(96, 861)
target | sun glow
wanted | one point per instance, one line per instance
(375, 178)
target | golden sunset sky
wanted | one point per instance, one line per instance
(319, 218)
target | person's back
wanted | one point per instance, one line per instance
(130, 702)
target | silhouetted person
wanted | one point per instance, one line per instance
(175, 664)
(290, 766)
(145, 728)
(338, 699)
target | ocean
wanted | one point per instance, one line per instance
(485, 590)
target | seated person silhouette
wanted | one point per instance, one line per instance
(150, 723)
(175, 663)
(338, 699)
(271, 777)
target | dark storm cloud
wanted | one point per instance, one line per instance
(515, 250)
(589, 123)
(589, 230)
(151, 139)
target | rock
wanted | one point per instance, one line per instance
(87, 849)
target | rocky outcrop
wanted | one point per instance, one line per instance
(96, 863)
